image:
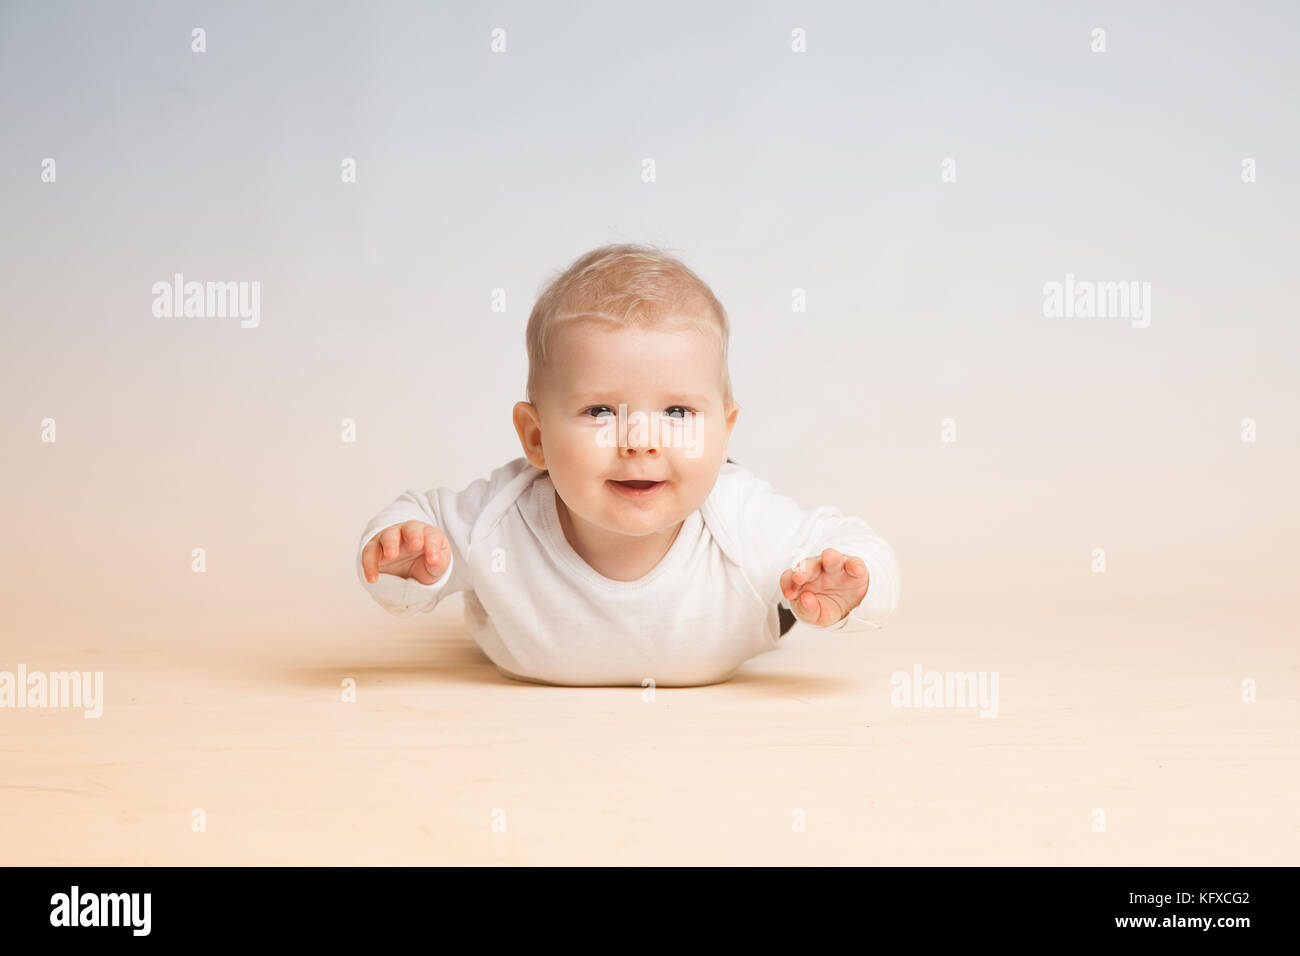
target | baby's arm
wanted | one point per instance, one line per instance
(416, 551)
(406, 560)
(849, 570)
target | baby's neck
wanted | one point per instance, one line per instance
(619, 557)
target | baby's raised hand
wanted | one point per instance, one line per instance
(409, 550)
(823, 588)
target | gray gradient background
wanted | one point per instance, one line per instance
(776, 171)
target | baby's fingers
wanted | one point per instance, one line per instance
(856, 568)
(435, 546)
(816, 609)
(415, 536)
(843, 571)
(390, 543)
(370, 560)
(398, 548)
(796, 577)
(381, 549)
(427, 547)
(832, 561)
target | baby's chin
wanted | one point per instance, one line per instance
(641, 517)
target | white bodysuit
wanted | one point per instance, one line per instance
(541, 613)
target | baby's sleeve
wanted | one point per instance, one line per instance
(407, 596)
(776, 531)
(455, 514)
(451, 512)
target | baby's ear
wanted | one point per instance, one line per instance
(528, 424)
(732, 411)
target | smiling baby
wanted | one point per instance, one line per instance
(624, 547)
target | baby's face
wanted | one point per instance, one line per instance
(663, 374)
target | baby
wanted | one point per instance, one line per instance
(625, 547)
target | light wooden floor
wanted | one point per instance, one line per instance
(1127, 708)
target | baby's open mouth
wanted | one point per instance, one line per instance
(636, 488)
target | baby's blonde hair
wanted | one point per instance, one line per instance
(626, 285)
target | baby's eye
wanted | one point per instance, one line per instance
(596, 408)
(681, 408)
